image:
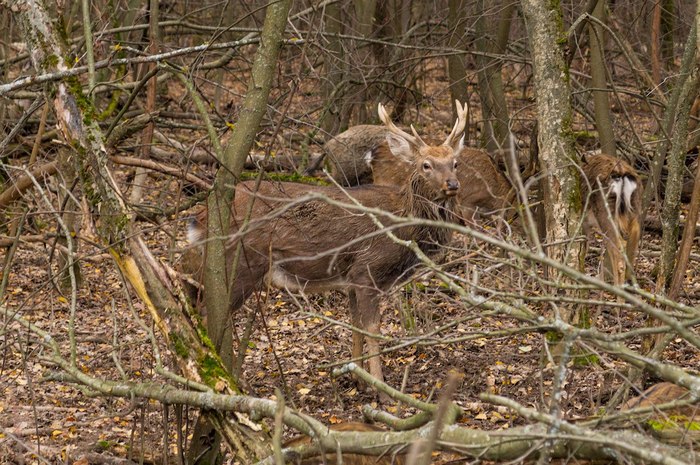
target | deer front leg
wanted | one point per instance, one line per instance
(368, 318)
(358, 339)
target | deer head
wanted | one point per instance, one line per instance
(434, 166)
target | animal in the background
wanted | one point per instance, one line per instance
(298, 241)
(361, 155)
(613, 191)
(386, 457)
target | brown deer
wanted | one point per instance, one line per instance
(614, 193)
(387, 458)
(360, 155)
(308, 244)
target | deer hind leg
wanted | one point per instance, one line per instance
(632, 246)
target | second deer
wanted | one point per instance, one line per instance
(360, 156)
(614, 193)
(309, 244)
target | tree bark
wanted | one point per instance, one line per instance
(599, 82)
(456, 28)
(562, 196)
(493, 102)
(218, 273)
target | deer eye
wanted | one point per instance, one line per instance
(455, 164)
(427, 166)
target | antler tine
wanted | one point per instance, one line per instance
(384, 116)
(415, 134)
(460, 124)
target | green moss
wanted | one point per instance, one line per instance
(84, 104)
(552, 337)
(211, 370)
(585, 360)
(285, 177)
(179, 345)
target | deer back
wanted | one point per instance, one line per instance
(346, 153)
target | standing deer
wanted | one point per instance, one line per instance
(614, 193)
(303, 244)
(360, 155)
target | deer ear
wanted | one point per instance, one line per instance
(400, 148)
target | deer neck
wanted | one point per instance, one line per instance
(418, 203)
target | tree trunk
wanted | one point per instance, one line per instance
(333, 70)
(599, 82)
(218, 274)
(456, 28)
(561, 188)
(653, 184)
(493, 102)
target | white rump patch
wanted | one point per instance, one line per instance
(194, 234)
(616, 186)
(368, 158)
(630, 185)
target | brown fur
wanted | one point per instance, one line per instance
(348, 459)
(345, 153)
(662, 393)
(618, 222)
(484, 189)
(314, 246)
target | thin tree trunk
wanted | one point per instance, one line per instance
(562, 197)
(674, 183)
(218, 275)
(655, 45)
(653, 184)
(493, 101)
(456, 28)
(332, 66)
(599, 82)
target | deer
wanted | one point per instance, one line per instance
(614, 192)
(300, 242)
(360, 156)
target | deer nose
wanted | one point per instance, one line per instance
(452, 186)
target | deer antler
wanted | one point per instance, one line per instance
(460, 124)
(414, 139)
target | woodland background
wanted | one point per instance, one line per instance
(118, 117)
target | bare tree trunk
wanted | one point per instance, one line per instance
(493, 102)
(456, 28)
(562, 196)
(653, 184)
(364, 15)
(655, 45)
(218, 274)
(332, 67)
(599, 82)
(674, 183)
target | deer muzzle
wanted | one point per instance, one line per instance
(451, 187)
